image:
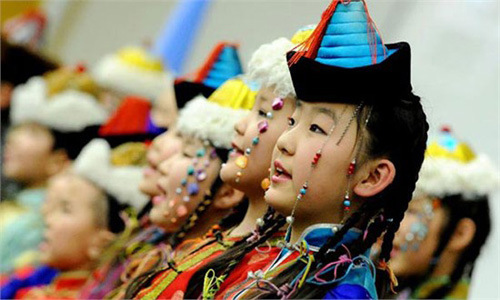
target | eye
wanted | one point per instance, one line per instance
(186, 154)
(315, 128)
(262, 113)
(291, 122)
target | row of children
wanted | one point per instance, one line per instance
(292, 180)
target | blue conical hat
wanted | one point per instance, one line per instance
(350, 39)
(347, 51)
(226, 66)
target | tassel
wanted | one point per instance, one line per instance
(382, 265)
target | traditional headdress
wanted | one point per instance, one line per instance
(268, 65)
(118, 171)
(132, 71)
(222, 64)
(67, 112)
(130, 122)
(214, 118)
(452, 168)
(345, 49)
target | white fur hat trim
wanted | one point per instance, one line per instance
(110, 72)
(203, 119)
(268, 66)
(69, 110)
(441, 177)
(122, 182)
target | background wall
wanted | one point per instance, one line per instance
(454, 58)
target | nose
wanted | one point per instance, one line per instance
(241, 126)
(164, 167)
(286, 142)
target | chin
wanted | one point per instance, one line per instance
(279, 201)
(228, 174)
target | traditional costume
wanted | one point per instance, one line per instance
(451, 175)
(68, 114)
(222, 64)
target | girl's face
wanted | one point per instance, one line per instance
(247, 129)
(417, 238)
(27, 154)
(327, 182)
(185, 178)
(70, 217)
(163, 147)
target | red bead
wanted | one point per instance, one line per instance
(347, 208)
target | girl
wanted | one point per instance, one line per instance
(447, 223)
(191, 198)
(255, 137)
(50, 117)
(343, 172)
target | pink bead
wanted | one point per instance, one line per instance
(277, 103)
(263, 126)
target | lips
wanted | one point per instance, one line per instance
(162, 190)
(236, 151)
(158, 199)
(281, 174)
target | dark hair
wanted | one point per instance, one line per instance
(456, 208)
(115, 223)
(396, 131)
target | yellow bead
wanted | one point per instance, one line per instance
(265, 184)
(242, 162)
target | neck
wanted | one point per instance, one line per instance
(211, 217)
(446, 264)
(257, 207)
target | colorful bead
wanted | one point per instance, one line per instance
(269, 115)
(265, 183)
(316, 158)
(347, 203)
(255, 140)
(178, 191)
(201, 175)
(242, 162)
(184, 182)
(186, 199)
(213, 154)
(299, 197)
(263, 126)
(290, 219)
(303, 191)
(248, 151)
(277, 103)
(193, 189)
(201, 152)
(351, 168)
(190, 170)
(259, 222)
(181, 211)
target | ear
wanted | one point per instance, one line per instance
(462, 236)
(227, 197)
(99, 242)
(58, 161)
(375, 175)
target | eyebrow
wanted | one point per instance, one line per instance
(263, 98)
(326, 111)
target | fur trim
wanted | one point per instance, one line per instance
(112, 73)
(268, 66)
(94, 163)
(70, 110)
(203, 119)
(441, 177)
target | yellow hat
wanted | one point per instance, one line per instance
(452, 168)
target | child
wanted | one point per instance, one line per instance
(447, 223)
(223, 61)
(343, 172)
(50, 117)
(255, 138)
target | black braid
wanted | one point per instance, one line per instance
(200, 210)
(225, 263)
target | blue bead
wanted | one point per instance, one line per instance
(303, 191)
(200, 152)
(184, 182)
(347, 203)
(255, 140)
(190, 170)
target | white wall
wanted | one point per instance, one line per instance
(454, 52)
